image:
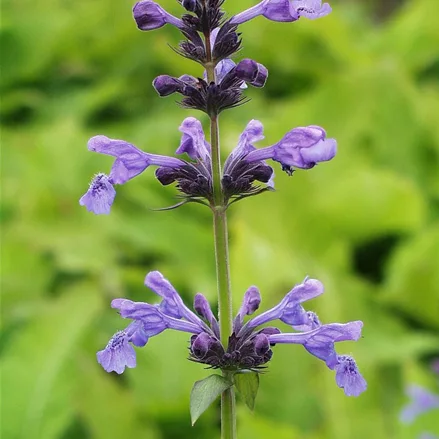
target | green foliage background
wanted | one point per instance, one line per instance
(366, 224)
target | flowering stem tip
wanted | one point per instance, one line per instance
(240, 348)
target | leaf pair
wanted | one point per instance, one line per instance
(206, 391)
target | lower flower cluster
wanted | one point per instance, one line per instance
(249, 347)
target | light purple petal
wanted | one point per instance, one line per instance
(311, 9)
(280, 10)
(172, 304)
(293, 312)
(153, 320)
(193, 141)
(252, 133)
(131, 161)
(311, 322)
(348, 377)
(320, 152)
(99, 196)
(137, 334)
(118, 354)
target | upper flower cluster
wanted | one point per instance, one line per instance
(302, 147)
(250, 346)
(210, 39)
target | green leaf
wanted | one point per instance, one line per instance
(247, 385)
(205, 392)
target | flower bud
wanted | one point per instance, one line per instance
(262, 345)
(165, 85)
(252, 300)
(189, 5)
(252, 72)
(200, 345)
(149, 15)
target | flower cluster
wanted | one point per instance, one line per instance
(250, 345)
(302, 147)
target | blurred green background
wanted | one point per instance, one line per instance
(366, 224)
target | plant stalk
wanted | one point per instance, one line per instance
(221, 241)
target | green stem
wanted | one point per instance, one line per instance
(228, 416)
(221, 240)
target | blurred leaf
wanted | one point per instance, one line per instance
(414, 278)
(107, 407)
(247, 385)
(205, 392)
(39, 363)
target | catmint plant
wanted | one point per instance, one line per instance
(239, 348)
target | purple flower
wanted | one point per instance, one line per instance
(422, 401)
(320, 341)
(149, 15)
(148, 321)
(302, 147)
(289, 310)
(131, 162)
(284, 10)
